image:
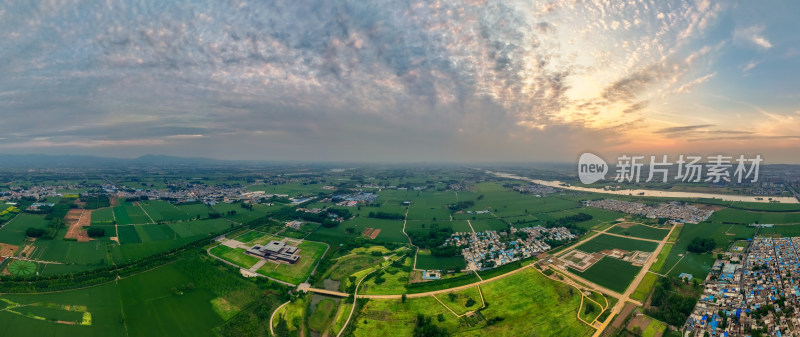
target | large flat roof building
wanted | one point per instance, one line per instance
(276, 251)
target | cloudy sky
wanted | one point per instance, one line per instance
(400, 80)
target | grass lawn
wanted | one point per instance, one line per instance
(395, 281)
(457, 301)
(611, 273)
(322, 315)
(310, 253)
(236, 256)
(603, 242)
(347, 265)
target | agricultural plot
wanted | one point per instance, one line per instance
(128, 214)
(310, 252)
(150, 233)
(427, 261)
(13, 232)
(737, 216)
(155, 301)
(780, 230)
(680, 260)
(103, 216)
(391, 230)
(488, 225)
(604, 242)
(128, 234)
(614, 274)
(643, 290)
(242, 215)
(640, 231)
(200, 227)
(92, 253)
(661, 258)
(195, 210)
(40, 313)
(163, 211)
(390, 318)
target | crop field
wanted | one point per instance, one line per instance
(391, 230)
(196, 209)
(643, 290)
(154, 301)
(199, 227)
(310, 253)
(128, 214)
(780, 230)
(242, 214)
(128, 234)
(150, 233)
(92, 253)
(101, 302)
(132, 251)
(603, 242)
(488, 224)
(738, 216)
(424, 226)
(163, 211)
(681, 261)
(641, 231)
(661, 258)
(427, 261)
(292, 189)
(13, 232)
(611, 273)
(103, 216)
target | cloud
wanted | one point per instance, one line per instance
(690, 85)
(680, 129)
(309, 77)
(749, 65)
(752, 37)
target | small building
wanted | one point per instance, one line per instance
(275, 250)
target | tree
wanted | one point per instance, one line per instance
(403, 298)
(95, 232)
(34, 232)
(701, 245)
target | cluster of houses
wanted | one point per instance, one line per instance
(675, 211)
(754, 293)
(489, 249)
(355, 199)
(38, 192)
(535, 189)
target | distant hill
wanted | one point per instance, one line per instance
(39, 160)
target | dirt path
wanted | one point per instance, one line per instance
(77, 219)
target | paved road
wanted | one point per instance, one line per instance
(626, 296)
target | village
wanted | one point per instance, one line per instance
(752, 294)
(489, 249)
(675, 211)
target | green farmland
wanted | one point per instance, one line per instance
(611, 273)
(604, 242)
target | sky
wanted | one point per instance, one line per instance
(400, 80)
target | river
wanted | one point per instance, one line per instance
(651, 193)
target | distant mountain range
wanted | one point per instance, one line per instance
(40, 160)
